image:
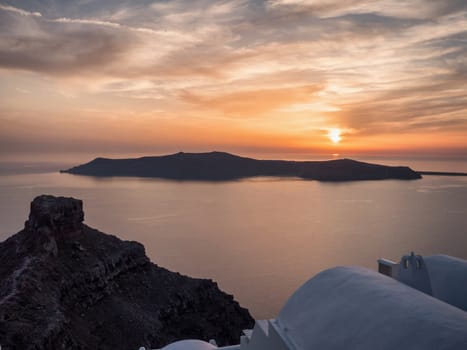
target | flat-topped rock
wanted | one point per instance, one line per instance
(55, 213)
(64, 285)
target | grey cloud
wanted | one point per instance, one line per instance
(419, 109)
(19, 11)
(411, 9)
(448, 7)
(59, 48)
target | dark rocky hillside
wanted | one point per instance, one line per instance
(64, 285)
(215, 166)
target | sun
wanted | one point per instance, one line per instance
(334, 135)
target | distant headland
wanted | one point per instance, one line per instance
(221, 166)
(441, 173)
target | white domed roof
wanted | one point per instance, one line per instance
(189, 345)
(356, 308)
(448, 277)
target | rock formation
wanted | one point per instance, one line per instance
(64, 285)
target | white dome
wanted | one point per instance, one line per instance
(356, 308)
(448, 277)
(189, 345)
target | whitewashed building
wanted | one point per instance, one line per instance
(418, 303)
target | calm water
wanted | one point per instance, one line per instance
(259, 238)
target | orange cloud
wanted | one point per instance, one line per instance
(252, 102)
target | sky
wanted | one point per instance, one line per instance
(291, 77)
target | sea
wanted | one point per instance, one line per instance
(259, 238)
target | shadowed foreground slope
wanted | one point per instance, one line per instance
(64, 285)
(217, 166)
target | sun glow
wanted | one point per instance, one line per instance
(334, 135)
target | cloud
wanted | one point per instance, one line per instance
(364, 65)
(411, 9)
(252, 103)
(54, 48)
(76, 46)
(19, 11)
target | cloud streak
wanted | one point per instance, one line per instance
(19, 11)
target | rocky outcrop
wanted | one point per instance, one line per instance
(64, 285)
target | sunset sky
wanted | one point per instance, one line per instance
(98, 77)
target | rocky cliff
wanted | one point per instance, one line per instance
(64, 285)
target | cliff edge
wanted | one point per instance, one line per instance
(64, 285)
